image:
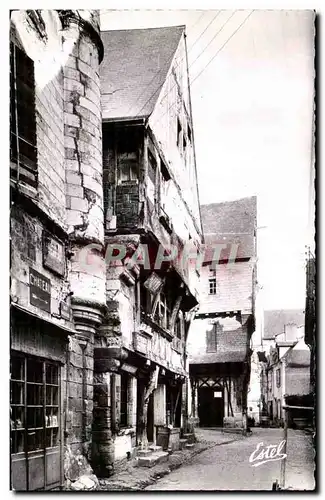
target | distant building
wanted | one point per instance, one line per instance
(287, 375)
(283, 329)
(219, 340)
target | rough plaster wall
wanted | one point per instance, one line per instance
(26, 252)
(164, 124)
(234, 288)
(48, 58)
(233, 338)
(126, 309)
(254, 390)
(84, 193)
(297, 380)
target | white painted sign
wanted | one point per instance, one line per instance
(217, 394)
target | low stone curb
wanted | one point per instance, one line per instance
(128, 480)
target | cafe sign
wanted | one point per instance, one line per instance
(39, 290)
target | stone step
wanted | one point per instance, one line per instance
(189, 445)
(154, 459)
(190, 437)
(144, 453)
(155, 448)
(182, 443)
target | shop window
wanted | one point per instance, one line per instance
(124, 400)
(23, 152)
(34, 404)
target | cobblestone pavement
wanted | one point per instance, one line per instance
(133, 478)
(227, 467)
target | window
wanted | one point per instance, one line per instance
(179, 135)
(189, 133)
(278, 377)
(23, 152)
(34, 404)
(212, 286)
(162, 312)
(151, 187)
(211, 339)
(128, 166)
(124, 400)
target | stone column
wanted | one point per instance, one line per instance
(102, 444)
(82, 53)
(132, 401)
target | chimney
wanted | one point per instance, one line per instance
(290, 332)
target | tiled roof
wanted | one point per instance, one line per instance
(231, 222)
(275, 320)
(134, 68)
(298, 357)
(218, 357)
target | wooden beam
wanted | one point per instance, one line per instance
(175, 310)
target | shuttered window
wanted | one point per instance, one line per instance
(23, 152)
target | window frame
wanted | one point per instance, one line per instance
(23, 128)
(213, 288)
(50, 412)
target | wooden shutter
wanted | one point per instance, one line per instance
(23, 152)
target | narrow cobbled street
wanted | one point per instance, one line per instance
(227, 467)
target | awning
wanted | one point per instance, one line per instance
(71, 331)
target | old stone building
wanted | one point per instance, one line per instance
(219, 340)
(152, 219)
(282, 328)
(56, 211)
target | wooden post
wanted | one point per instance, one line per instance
(284, 450)
(144, 416)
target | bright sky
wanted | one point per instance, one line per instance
(252, 114)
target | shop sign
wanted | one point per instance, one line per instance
(53, 254)
(39, 290)
(141, 343)
(65, 311)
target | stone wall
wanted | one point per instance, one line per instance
(68, 203)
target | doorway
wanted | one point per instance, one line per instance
(211, 406)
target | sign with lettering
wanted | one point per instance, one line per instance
(141, 343)
(53, 254)
(65, 311)
(39, 290)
